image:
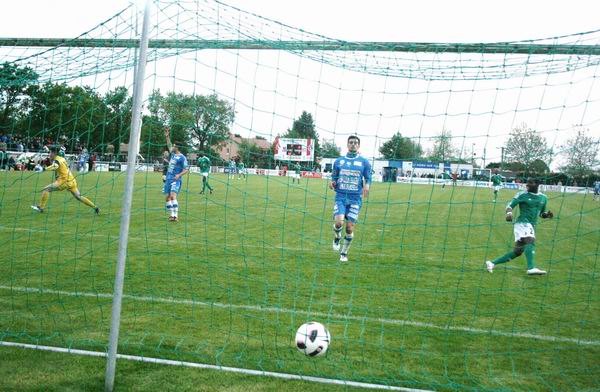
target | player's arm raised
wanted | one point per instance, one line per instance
(168, 138)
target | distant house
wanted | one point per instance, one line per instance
(230, 148)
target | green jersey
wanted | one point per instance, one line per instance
(297, 168)
(204, 164)
(240, 166)
(531, 205)
(496, 179)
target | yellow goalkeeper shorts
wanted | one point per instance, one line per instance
(61, 185)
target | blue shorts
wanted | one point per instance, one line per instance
(347, 205)
(172, 186)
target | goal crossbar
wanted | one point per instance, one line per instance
(497, 48)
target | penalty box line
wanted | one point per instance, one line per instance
(251, 372)
(271, 309)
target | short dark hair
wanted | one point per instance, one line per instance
(353, 137)
(532, 185)
(54, 149)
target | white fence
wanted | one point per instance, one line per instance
(101, 166)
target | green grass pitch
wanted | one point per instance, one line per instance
(244, 267)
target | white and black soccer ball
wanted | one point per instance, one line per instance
(312, 339)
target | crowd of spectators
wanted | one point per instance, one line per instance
(20, 143)
(29, 153)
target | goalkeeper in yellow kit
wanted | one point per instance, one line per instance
(64, 180)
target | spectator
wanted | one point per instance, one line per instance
(3, 157)
(21, 163)
(11, 163)
(91, 162)
(83, 161)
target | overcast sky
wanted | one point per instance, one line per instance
(385, 20)
(385, 105)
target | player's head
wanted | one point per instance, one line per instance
(532, 185)
(353, 143)
(53, 152)
(175, 148)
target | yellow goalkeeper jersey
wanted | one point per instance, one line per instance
(60, 165)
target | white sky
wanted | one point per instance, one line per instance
(384, 20)
(370, 113)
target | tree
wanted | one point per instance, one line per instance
(304, 128)
(539, 168)
(329, 149)
(118, 117)
(400, 147)
(15, 84)
(581, 154)
(252, 155)
(74, 115)
(152, 139)
(443, 149)
(525, 146)
(197, 121)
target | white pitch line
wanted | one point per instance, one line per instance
(270, 309)
(250, 372)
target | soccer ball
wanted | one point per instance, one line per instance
(312, 339)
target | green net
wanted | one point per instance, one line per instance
(251, 260)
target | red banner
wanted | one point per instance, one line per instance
(307, 174)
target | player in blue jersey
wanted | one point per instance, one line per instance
(597, 190)
(177, 168)
(351, 179)
(232, 168)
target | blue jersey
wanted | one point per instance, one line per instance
(597, 187)
(177, 164)
(349, 173)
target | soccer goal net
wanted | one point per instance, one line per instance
(227, 270)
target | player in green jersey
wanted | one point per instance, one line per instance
(296, 175)
(531, 205)
(496, 184)
(241, 169)
(4, 157)
(204, 165)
